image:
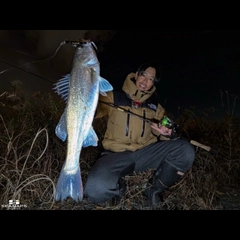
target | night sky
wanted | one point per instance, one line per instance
(196, 65)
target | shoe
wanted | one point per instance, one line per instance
(164, 177)
(122, 186)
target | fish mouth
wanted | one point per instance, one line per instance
(81, 43)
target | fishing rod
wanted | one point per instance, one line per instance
(128, 112)
(24, 70)
(73, 43)
(167, 122)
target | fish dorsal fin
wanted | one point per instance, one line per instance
(61, 87)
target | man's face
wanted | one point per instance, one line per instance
(145, 81)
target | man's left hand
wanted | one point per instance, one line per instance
(162, 129)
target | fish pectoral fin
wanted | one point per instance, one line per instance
(104, 85)
(61, 128)
(91, 139)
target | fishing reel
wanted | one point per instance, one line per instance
(169, 123)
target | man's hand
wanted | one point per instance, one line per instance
(162, 129)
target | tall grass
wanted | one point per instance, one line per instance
(31, 157)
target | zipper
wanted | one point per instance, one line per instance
(127, 125)
(143, 123)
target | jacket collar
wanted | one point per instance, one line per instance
(130, 88)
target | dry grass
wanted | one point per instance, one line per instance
(32, 156)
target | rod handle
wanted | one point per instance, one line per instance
(195, 143)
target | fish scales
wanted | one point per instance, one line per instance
(80, 89)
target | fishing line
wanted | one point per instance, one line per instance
(22, 52)
(19, 67)
(7, 45)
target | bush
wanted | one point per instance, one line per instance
(32, 157)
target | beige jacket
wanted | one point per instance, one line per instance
(124, 131)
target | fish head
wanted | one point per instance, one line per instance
(86, 52)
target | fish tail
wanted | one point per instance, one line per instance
(69, 185)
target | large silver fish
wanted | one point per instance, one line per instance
(80, 89)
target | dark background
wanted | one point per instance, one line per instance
(197, 65)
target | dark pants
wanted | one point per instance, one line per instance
(102, 182)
